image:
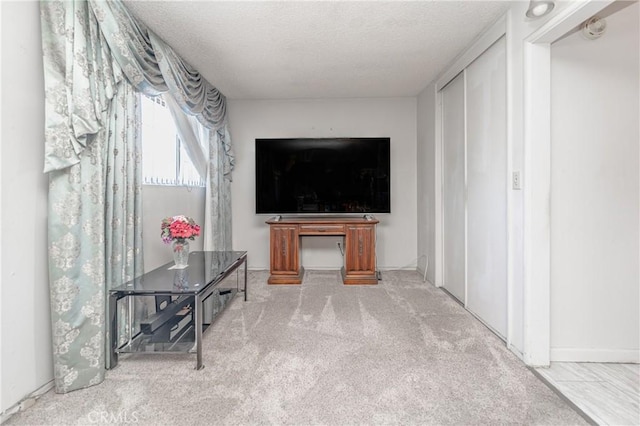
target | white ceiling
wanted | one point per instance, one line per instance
(318, 49)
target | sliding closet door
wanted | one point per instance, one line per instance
(487, 188)
(453, 187)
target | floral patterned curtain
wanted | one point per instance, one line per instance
(95, 57)
(94, 234)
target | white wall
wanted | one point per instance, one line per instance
(394, 117)
(26, 362)
(426, 184)
(518, 29)
(159, 202)
(595, 194)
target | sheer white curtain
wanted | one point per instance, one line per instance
(191, 134)
(212, 165)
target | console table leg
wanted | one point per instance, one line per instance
(198, 325)
(245, 279)
(113, 332)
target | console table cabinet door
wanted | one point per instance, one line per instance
(284, 250)
(360, 249)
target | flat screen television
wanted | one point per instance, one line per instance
(323, 176)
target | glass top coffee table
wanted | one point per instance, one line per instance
(182, 299)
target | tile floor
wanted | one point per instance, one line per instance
(608, 393)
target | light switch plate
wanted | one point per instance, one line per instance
(516, 182)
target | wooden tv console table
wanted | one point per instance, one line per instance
(359, 246)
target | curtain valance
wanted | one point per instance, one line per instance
(191, 91)
(149, 64)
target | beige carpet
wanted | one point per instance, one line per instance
(401, 352)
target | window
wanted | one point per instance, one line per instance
(164, 159)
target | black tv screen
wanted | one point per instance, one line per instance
(330, 175)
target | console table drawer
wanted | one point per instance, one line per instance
(322, 229)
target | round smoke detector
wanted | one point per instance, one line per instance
(594, 28)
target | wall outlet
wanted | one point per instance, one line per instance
(516, 181)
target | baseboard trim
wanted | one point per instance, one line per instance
(595, 355)
(26, 402)
(516, 351)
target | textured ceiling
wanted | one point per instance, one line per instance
(326, 49)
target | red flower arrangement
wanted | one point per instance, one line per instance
(178, 228)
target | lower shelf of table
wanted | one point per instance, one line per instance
(180, 338)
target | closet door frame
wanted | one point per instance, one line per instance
(486, 40)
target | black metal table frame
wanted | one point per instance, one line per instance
(199, 297)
